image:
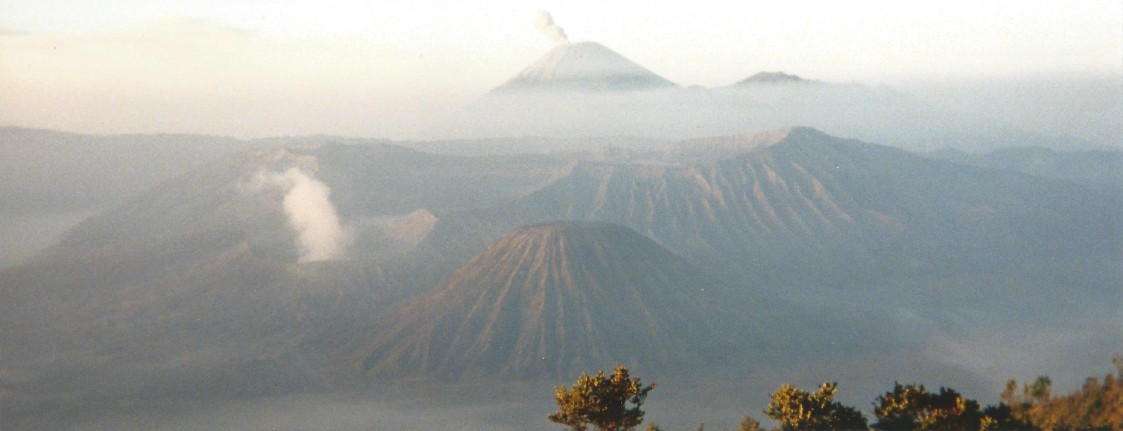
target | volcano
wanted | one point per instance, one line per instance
(579, 90)
(553, 299)
(586, 66)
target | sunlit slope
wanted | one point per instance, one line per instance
(554, 299)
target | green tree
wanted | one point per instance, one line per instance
(602, 401)
(799, 410)
(912, 408)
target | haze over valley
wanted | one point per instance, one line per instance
(578, 211)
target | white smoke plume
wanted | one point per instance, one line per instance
(311, 215)
(546, 25)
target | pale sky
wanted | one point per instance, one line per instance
(386, 69)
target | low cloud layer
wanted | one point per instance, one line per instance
(307, 204)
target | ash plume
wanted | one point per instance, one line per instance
(320, 236)
(545, 24)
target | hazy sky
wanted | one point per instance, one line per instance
(385, 69)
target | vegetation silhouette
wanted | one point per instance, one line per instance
(799, 410)
(1096, 406)
(912, 408)
(602, 401)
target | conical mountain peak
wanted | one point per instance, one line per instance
(553, 299)
(587, 66)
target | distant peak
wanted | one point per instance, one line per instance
(720, 147)
(772, 78)
(585, 66)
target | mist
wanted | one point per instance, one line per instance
(337, 85)
(1088, 107)
(970, 116)
(25, 235)
(311, 215)
(470, 407)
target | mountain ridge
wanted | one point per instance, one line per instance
(802, 201)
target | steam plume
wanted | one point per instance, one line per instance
(546, 25)
(311, 214)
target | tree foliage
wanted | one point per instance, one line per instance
(1002, 418)
(912, 408)
(1097, 405)
(748, 424)
(610, 403)
(799, 410)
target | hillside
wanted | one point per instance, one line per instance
(554, 299)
